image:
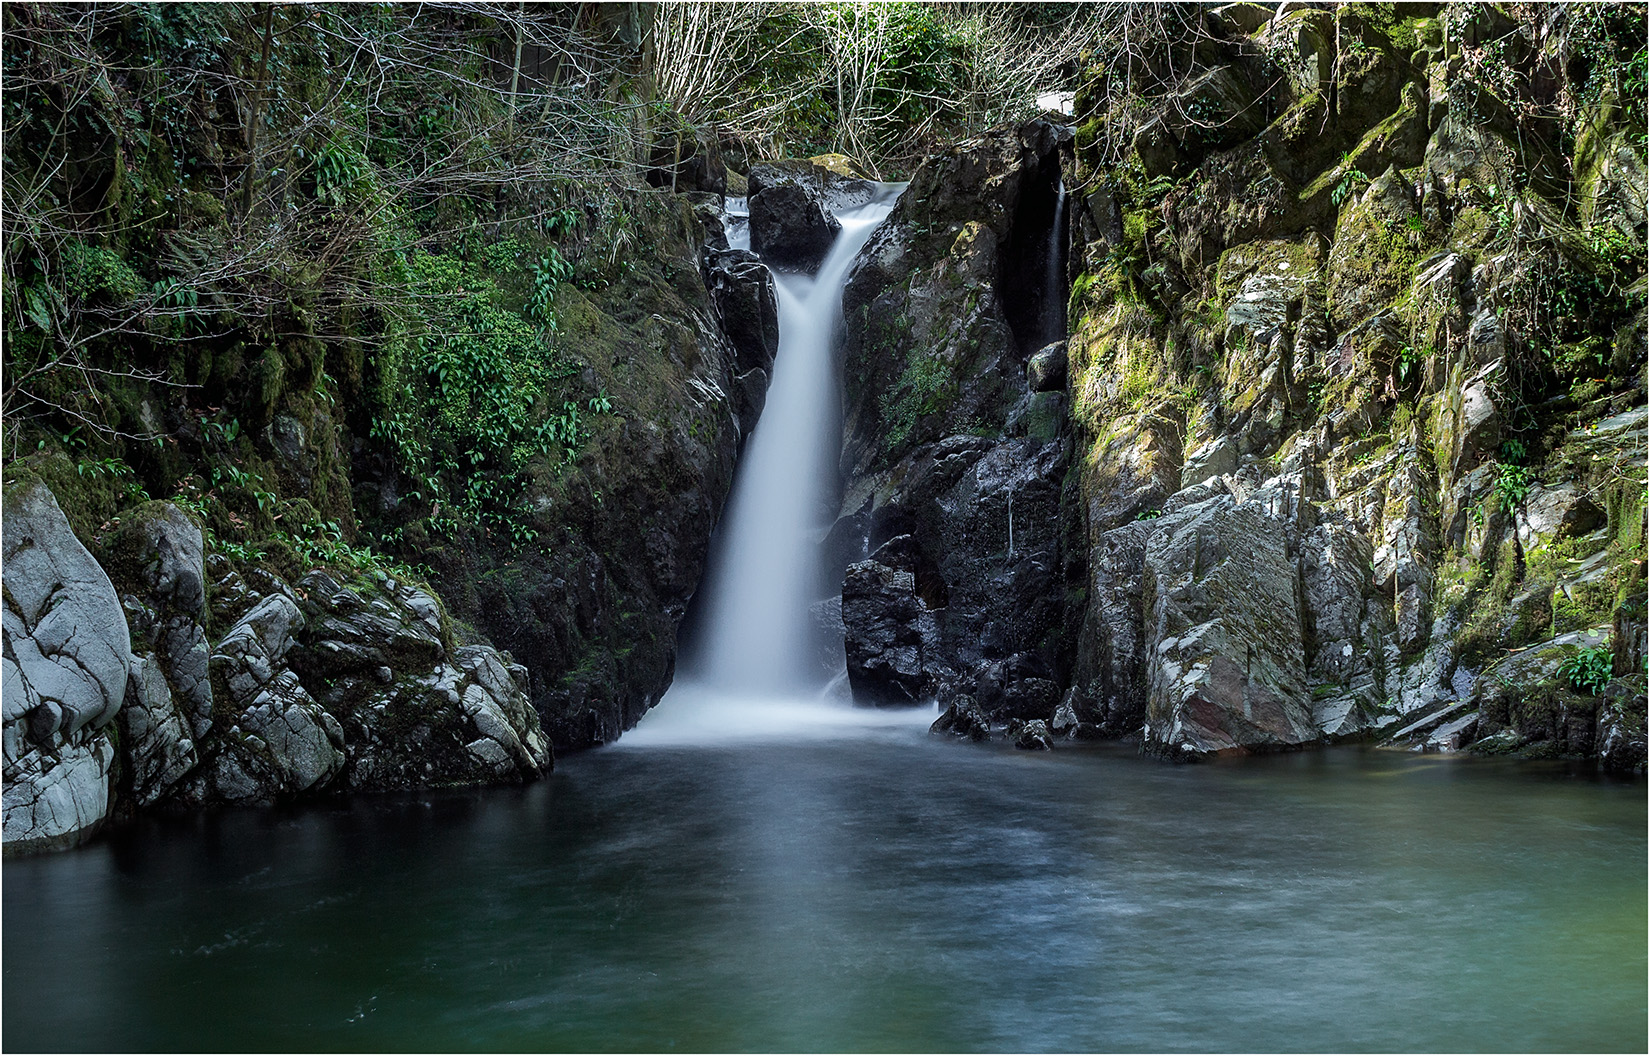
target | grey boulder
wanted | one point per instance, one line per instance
(66, 660)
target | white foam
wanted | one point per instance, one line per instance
(695, 714)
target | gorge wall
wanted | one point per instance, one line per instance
(1330, 424)
(1348, 435)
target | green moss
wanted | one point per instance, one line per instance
(1486, 605)
(925, 387)
(1582, 605)
(1624, 505)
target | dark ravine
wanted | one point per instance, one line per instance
(1313, 459)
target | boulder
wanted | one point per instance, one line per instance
(1046, 370)
(281, 741)
(66, 664)
(1555, 511)
(1526, 701)
(1621, 732)
(790, 226)
(1065, 722)
(750, 392)
(1032, 735)
(157, 557)
(1016, 689)
(1218, 457)
(156, 742)
(1226, 666)
(885, 632)
(963, 718)
(742, 289)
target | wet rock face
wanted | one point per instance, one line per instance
(742, 289)
(1225, 661)
(965, 589)
(66, 664)
(791, 228)
(886, 628)
(955, 448)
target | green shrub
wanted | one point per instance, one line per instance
(1589, 670)
(1512, 483)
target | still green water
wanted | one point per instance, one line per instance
(877, 892)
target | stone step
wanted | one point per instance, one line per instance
(1426, 722)
(1449, 736)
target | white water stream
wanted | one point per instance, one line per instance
(754, 673)
(1054, 280)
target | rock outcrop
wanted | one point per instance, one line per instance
(1332, 454)
(67, 660)
(955, 456)
(321, 685)
(791, 228)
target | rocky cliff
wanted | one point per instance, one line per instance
(190, 651)
(1347, 437)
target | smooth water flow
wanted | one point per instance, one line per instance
(891, 893)
(1054, 283)
(755, 669)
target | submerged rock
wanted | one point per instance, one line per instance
(963, 718)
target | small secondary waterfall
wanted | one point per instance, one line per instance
(754, 668)
(1054, 278)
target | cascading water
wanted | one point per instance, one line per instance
(1054, 279)
(754, 670)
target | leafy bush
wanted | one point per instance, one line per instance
(1409, 361)
(476, 399)
(1589, 670)
(1512, 483)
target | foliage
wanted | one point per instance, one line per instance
(1350, 181)
(881, 82)
(1512, 484)
(1410, 360)
(1589, 670)
(1608, 42)
(472, 393)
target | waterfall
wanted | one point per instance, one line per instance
(754, 669)
(1054, 279)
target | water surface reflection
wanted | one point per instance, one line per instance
(886, 892)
